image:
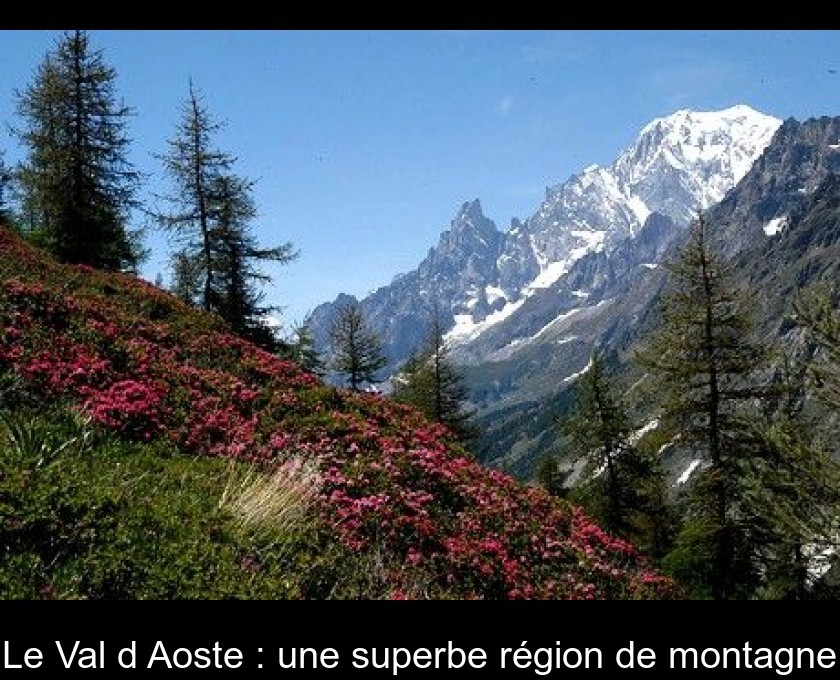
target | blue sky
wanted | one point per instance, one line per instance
(365, 143)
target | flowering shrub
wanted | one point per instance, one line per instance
(130, 407)
(141, 363)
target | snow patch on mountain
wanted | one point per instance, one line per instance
(466, 328)
(556, 322)
(642, 431)
(558, 319)
(684, 477)
(548, 276)
(775, 226)
(551, 272)
(578, 374)
(493, 293)
(639, 209)
(594, 240)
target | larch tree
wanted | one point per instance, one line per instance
(799, 487)
(194, 164)
(618, 479)
(704, 365)
(186, 277)
(77, 184)
(236, 294)
(217, 264)
(432, 383)
(300, 347)
(551, 477)
(356, 350)
(796, 490)
(5, 186)
(816, 312)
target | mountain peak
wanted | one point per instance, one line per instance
(470, 210)
(738, 114)
(471, 226)
(741, 110)
(690, 159)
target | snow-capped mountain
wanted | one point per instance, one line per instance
(479, 279)
(677, 165)
(691, 159)
(781, 227)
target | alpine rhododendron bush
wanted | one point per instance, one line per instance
(138, 362)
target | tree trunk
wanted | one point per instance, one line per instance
(722, 547)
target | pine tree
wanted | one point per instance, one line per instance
(618, 478)
(704, 366)
(217, 264)
(77, 183)
(356, 348)
(430, 382)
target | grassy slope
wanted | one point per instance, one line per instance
(153, 371)
(114, 519)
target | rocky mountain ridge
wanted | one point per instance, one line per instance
(478, 279)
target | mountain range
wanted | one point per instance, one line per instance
(524, 309)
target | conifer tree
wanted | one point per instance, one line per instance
(5, 186)
(356, 348)
(816, 312)
(194, 165)
(186, 277)
(796, 494)
(218, 262)
(704, 366)
(301, 349)
(77, 183)
(551, 477)
(431, 382)
(618, 478)
(235, 254)
(798, 480)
